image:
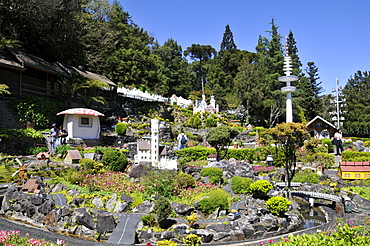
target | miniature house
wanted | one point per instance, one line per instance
(354, 170)
(81, 123)
(320, 128)
(72, 156)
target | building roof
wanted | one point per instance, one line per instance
(322, 119)
(8, 60)
(355, 166)
(143, 145)
(81, 111)
(87, 74)
(16, 59)
(37, 62)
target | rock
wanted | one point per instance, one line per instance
(147, 234)
(121, 207)
(181, 209)
(58, 188)
(105, 223)
(146, 207)
(50, 220)
(167, 235)
(109, 205)
(84, 218)
(73, 192)
(98, 202)
(248, 232)
(181, 229)
(206, 235)
(126, 198)
(214, 215)
(36, 200)
(138, 170)
(219, 227)
(46, 207)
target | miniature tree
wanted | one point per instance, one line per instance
(220, 138)
(289, 137)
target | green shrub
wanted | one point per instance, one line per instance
(319, 159)
(61, 149)
(163, 209)
(160, 182)
(211, 122)
(343, 235)
(148, 220)
(367, 144)
(197, 153)
(87, 163)
(278, 205)
(35, 150)
(260, 187)
(120, 128)
(240, 185)
(192, 240)
(215, 199)
(327, 142)
(166, 242)
(214, 174)
(114, 160)
(349, 155)
(306, 175)
(185, 180)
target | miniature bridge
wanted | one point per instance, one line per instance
(317, 195)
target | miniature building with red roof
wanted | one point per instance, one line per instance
(354, 170)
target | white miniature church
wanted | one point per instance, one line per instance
(151, 151)
(201, 105)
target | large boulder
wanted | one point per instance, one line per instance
(145, 208)
(84, 218)
(182, 209)
(105, 223)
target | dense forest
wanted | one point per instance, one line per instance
(103, 38)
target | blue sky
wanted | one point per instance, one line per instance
(335, 34)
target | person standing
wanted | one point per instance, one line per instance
(54, 137)
(62, 135)
(337, 141)
(183, 139)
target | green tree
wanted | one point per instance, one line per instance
(220, 138)
(289, 137)
(202, 53)
(49, 29)
(176, 69)
(357, 110)
(228, 40)
(4, 89)
(87, 87)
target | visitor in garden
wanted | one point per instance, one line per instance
(183, 139)
(53, 134)
(62, 135)
(337, 141)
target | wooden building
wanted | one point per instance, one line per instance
(28, 75)
(320, 128)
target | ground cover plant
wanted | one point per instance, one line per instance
(10, 238)
(155, 184)
(346, 233)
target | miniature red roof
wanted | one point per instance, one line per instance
(355, 168)
(82, 111)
